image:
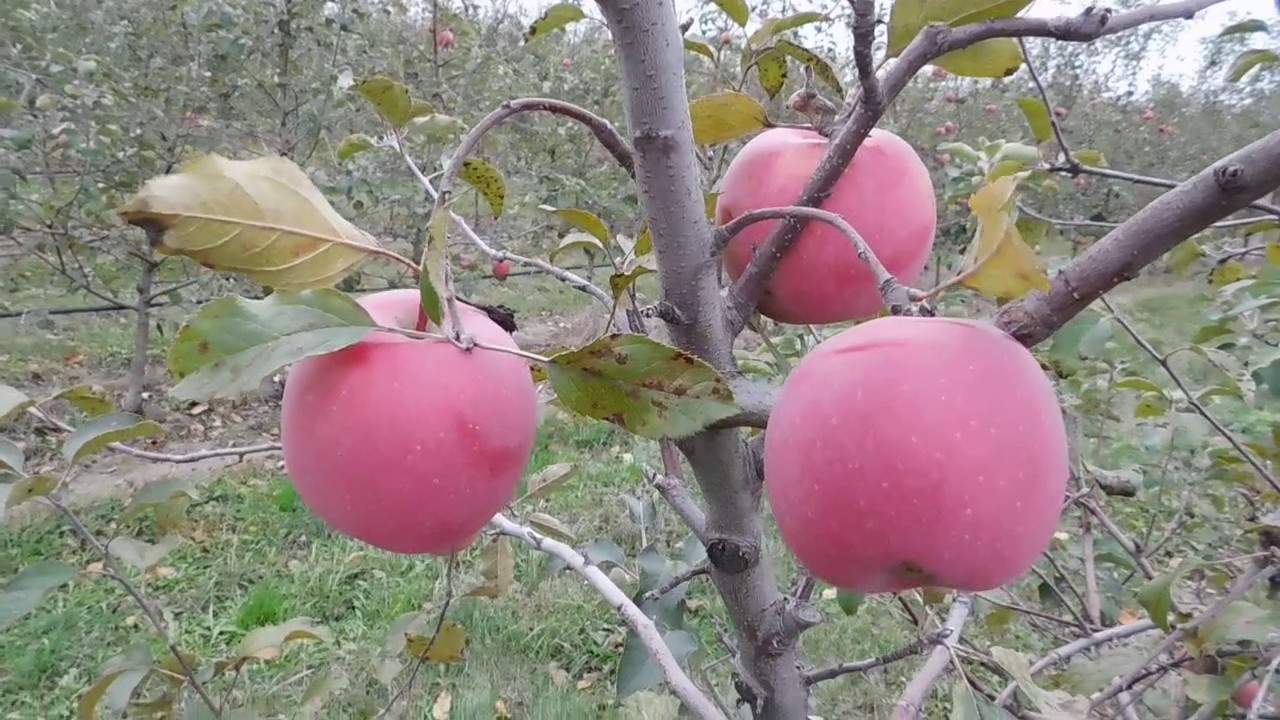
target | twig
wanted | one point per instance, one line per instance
(1201, 410)
(915, 647)
(678, 580)
(177, 459)
(864, 36)
(1136, 179)
(648, 633)
(144, 603)
(911, 704)
(450, 565)
(1048, 105)
(671, 485)
(1238, 590)
(1119, 536)
(896, 295)
(1220, 225)
(1071, 649)
(1093, 599)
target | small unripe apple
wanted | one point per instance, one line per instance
(885, 193)
(907, 452)
(501, 269)
(1059, 112)
(410, 445)
(992, 108)
(466, 261)
(445, 39)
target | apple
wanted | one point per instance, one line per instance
(992, 108)
(1244, 695)
(445, 39)
(726, 37)
(938, 73)
(1059, 112)
(885, 193)
(1081, 182)
(501, 269)
(567, 63)
(944, 158)
(1148, 114)
(1165, 130)
(466, 261)
(949, 128)
(951, 96)
(917, 451)
(409, 445)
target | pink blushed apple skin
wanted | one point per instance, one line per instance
(907, 452)
(885, 193)
(410, 445)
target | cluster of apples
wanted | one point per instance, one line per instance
(903, 451)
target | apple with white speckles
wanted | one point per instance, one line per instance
(410, 445)
(909, 452)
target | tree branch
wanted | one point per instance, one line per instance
(645, 629)
(1215, 192)
(911, 704)
(915, 647)
(240, 453)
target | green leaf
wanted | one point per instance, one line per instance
(391, 99)
(620, 281)
(433, 126)
(1037, 118)
(157, 494)
(543, 482)
(776, 26)
(849, 601)
(267, 643)
(117, 680)
(642, 385)
(1053, 703)
(737, 10)
(581, 219)
(1139, 383)
(822, 69)
(1182, 255)
(1248, 60)
(636, 669)
(431, 302)
(12, 457)
(330, 681)
(553, 18)
(1156, 595)
(353, 145)
(1091, 157)
(232, 343)
(994, 58)
(550, 526)
(771, 71)
(969, 705)
(487, 180)
(30, 488)
(724, 116)
(12, 402)
(577, 241)
(700, 47)
(25, 591)
(104, 430)
(89, 399)
(1244, 27)
(141, 554)
(908, 17)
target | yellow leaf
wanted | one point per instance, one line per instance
(447, 647)
(498, 569)
(500, 711)
(995, 58)
(443, 705)
(771, 71)
(998, 263)
(261, 218)
(487, 180)
(724, 116)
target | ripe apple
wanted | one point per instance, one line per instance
(1244, 696)
(466, 261)
(409, 445)
(1164, 130)
(944, 158)
(949, 128)
(1148, 114)
(992, 108)
(951, 96)
(445, 39)
(885, 194)
(567, 63)
(938, 73)
(1059, 112)
(726, 37)
(1081, 182)
(501, 269)
(907, 452)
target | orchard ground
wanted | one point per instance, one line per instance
(255, 556)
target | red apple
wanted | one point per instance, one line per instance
(501, 269)
(1148, 114)
(907, 452)
(726, 37)
(885, 194)
(938, 73)
(1081, 182)
(466, 261)
(992, 108)
(951, 96)
(409, 445)
(1165, 130)
(1059, 112)
(445, 39)
(567, 63)
(944, 158)
(1244, 695)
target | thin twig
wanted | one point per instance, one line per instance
(911, 704)
(240, 453)
(1071, 649)
(647, 632)
(678, 580)
(1119, 536)
(864, 36)
(915, 647)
